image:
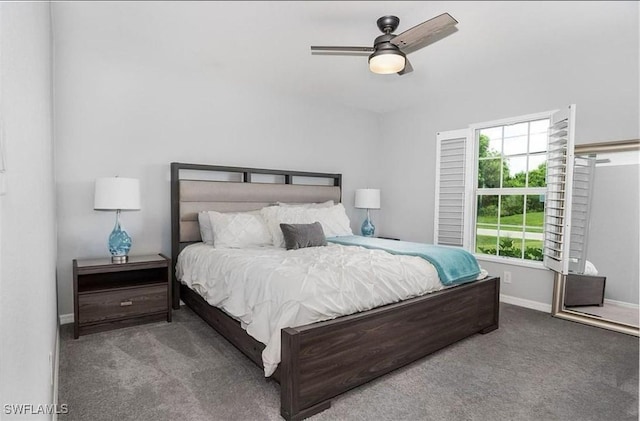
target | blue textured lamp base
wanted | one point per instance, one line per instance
(119, 243)
(368, 229)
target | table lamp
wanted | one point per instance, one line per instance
(117, 193)
(368, 199)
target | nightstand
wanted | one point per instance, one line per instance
(111, 295)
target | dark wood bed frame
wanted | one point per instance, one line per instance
(325, 359)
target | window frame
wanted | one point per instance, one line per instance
(473, 189)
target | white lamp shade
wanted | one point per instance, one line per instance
(367, 199)
(385, 64)
(114, 193)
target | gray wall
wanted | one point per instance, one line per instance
(128, 116)
(598, 73)
(130, 108)
(28, 322)
(614, 230)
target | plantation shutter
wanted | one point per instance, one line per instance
(451, 217)
(558, 201)
(583, 172)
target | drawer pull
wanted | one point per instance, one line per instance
(126, 303)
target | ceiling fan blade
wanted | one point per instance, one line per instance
(408, 68)
(342, 49)
(426, 29)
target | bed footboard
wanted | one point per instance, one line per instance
(323, 360)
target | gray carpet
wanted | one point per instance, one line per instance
(534, 367)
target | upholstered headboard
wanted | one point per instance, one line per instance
(229, 196)
(196, 187)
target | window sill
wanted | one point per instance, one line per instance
(510, 261)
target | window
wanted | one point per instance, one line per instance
(505, 189)
(510, 189)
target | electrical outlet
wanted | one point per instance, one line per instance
(507, 277)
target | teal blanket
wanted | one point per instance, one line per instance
(454, 265)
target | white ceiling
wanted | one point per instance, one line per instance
(265, 45)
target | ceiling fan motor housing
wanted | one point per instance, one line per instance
(383, 45)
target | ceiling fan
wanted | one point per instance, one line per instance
(389, 50)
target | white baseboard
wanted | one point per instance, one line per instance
(66, 319)
(622, 304)
(535, 305)
(521, 302)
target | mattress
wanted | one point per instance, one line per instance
(269, 288)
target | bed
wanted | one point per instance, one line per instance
(321, 360)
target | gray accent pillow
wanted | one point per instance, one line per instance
(298, 236)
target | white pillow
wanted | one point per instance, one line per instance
(239, 229)
(326, 204)
(206, 232)
(334, 220)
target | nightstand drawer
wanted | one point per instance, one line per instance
(108, 305)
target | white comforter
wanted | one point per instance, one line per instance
(270, 288)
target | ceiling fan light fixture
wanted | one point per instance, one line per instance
(386, 62)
